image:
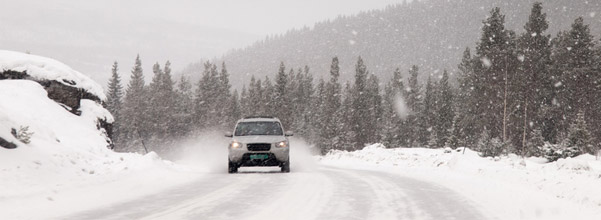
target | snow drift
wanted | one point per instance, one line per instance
(510, 187)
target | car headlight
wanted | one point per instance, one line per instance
(282, 144)
(235, 144)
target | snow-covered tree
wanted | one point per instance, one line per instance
(427, 115)
(184, 108)
(281, 101)
(535, 143)
(331, 108)
(113, 101)
(134, 105)
(413, 100)
(445, 113)
(360, 106)
(579, 136)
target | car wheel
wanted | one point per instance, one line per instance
(286, 167)
(232, 167)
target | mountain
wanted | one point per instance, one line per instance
(430, 33)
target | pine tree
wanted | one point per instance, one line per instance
(184, 108)
(255, 97)
(168, 103)
(579, 136)
(331, 108)
(280, 96)
(445, 113)
(392, 135)
(453, 140)
(292, 99)
(208, 103)
(535, 82)
(317, 116)
(348, 135)
(113, 102)
(155, 115)
(269, 97)
(483, 143)
(134, 105)
(535, 143)
(427, 116)
(304, 108)
(373, 124)
(389, 135)
(495, 69)
(574, 66)
(414, 104)
(468, 101)
(233, 112)
(225, 114)
(244, 102)
(360, 106)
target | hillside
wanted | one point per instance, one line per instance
(431, 34)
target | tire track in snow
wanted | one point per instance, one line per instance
(173, 202)
(369, 197)
(327, 193)
(426, 200)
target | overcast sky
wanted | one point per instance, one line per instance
(90, 35)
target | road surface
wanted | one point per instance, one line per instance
(324, 193)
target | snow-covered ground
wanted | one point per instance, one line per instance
(509, 187)
(65, 171)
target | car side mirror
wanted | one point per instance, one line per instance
(229, 134)
(289, 133)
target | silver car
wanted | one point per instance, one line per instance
(259, 141)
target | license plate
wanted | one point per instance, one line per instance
(259, 156)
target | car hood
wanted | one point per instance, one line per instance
(259, 139)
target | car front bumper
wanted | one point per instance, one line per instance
(242, 156)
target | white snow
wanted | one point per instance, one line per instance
(66, 166)
(66, 169)
(43, 68)
(508, 187)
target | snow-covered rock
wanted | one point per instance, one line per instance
(46, 69)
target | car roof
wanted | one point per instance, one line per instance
(253, 119)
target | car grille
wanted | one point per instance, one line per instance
(258, 147)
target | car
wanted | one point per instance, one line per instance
(259, 141)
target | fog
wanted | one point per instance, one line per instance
(90, 35)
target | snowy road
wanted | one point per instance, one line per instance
(324, 193)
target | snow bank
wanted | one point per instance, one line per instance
(42, 68)
(65, 166)
(571, 186)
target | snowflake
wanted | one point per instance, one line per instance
(486, 61)
(558, 84)
(521, 58)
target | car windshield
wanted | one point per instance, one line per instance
(258, 128)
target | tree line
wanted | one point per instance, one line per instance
(513, 94)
